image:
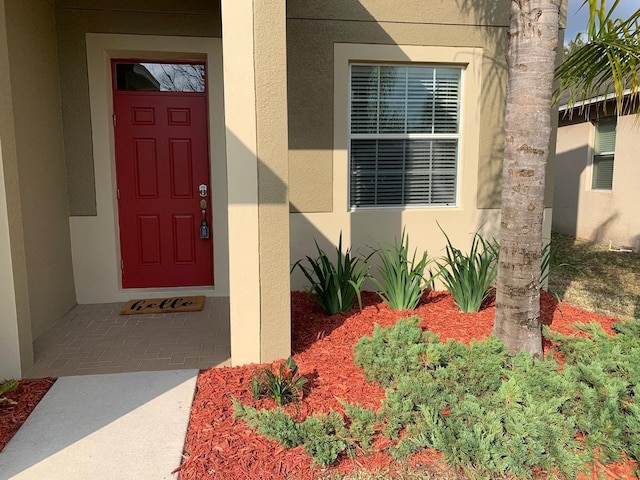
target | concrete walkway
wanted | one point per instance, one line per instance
(104, 427)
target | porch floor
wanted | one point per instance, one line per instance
(94, 339)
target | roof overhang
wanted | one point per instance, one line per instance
(591, 101)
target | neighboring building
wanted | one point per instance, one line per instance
(296, 120)
(596, 170)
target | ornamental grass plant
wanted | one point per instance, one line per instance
(402, 278)
(286, 385)
(469, 276)
(335, 287)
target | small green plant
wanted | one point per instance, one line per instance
(323, 437)
(469, 276)
(6, 387)
(403, 280)
(335, 287)
(286, 385)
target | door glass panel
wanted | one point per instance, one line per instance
(160, 77)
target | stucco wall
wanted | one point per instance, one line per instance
(41, 174)
(597, 215)
(16, 349)
(365, 228)
(256, 140)
(74, 19)
(312, 31)
(271, 111)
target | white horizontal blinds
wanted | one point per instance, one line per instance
(441, 99)
(404, 135)
(605, 145)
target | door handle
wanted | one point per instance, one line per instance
(204, 226)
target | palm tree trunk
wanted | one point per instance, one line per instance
(533, 39)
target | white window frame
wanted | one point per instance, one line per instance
(408, 136)
(469, 58)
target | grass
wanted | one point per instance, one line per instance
(587, 275)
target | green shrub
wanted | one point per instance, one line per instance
(284, 386)
(6, 387)
(469, 276)
(335, 287)
(362, 424)
(391, 353)
(274, 424)
(323, 437)
(403, 280)
(489, 414)
(496, 415)
(606, 371)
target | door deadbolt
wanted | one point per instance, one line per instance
(203, 190)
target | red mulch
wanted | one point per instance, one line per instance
(28, 394)
(219, 447)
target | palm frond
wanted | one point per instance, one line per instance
(606, 65)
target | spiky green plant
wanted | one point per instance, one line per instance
(402, 278)
(469, 276)
(548, 255)
(335, 287)
(285, 385)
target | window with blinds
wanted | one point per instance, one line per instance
(604, 148)
(404, 135)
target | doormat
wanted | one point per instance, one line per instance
(163, 305)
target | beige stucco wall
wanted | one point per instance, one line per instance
(464, 33)
(256, 125)
(273, 177)
(41, 173)
(95, 239)
(16, 351)
(313, 29)
(597, 215)
(364, 228)
(74, 19)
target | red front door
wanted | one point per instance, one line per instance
(162, 159)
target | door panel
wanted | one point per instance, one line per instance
(161, 159)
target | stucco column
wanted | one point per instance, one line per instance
(16, 348)
(255, 83)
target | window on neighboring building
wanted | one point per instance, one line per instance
(404, 135)
(604, 147)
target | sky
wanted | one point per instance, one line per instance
(577, 17)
